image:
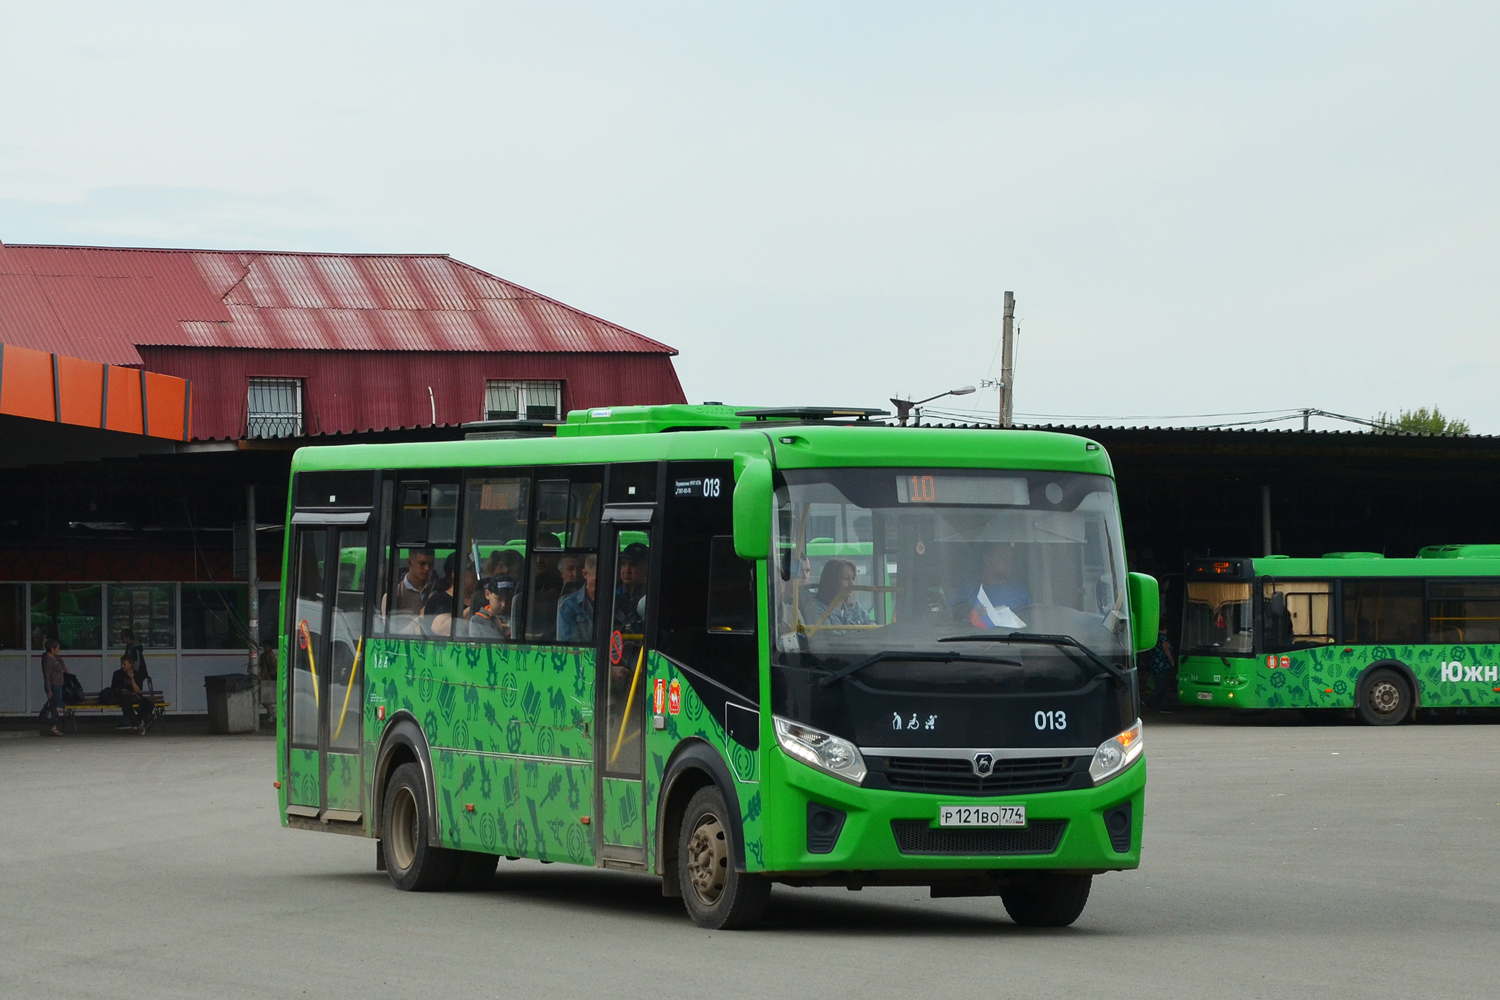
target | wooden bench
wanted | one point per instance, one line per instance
(91, 705)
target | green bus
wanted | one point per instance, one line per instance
(1349, 630)
(726, 647)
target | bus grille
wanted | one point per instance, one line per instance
(955, 775)
(917, 836)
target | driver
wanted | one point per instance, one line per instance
(992, 602)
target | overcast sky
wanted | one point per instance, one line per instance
(1201, 208)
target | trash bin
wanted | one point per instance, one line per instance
(231, 703)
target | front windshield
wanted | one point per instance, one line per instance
(1218, 617)
(874, 561)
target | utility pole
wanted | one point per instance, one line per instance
(1007, 363)
(252, 580)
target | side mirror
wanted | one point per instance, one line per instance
(1145, 604)
(752, 509)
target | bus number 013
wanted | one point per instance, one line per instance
(1051, 720)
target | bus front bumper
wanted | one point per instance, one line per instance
(868, 840)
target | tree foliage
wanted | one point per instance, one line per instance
(1419, 421)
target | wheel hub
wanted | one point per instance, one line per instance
(403, 835)
(708, 859)
(1384, 697)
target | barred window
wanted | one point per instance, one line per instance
(527, 399)
(275, 408)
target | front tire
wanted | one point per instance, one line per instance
(411, 861)
(716, 895)
(1048, 900)
(1384, 698)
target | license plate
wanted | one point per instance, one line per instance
(981, 815)
(1205, 696)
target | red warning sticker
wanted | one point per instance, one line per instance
(616, 647)
(674, 699)
(659, 697)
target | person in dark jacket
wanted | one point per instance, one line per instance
(132, 646)
(134, 706)
(54, 673)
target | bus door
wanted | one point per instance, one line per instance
(325, 688)
(626, 598)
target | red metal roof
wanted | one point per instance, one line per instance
(101, 303)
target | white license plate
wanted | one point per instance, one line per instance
(981, 815)
(1205, 696)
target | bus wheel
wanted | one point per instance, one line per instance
(412, 863)
(1048, 900)
(1385, 699)
(716, 896)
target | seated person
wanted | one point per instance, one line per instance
(991, 603)
(125, 688)
(132, 645)
(493, 620)
(546, 588)
(570, 569)
(575, 612)
(835, 603)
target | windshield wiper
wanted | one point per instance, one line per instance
(1043, 639)
(859, 665)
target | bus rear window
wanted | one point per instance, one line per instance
(1218, 617)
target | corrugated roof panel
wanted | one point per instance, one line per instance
(442, 285)
(221, 271)
(397, 288)
(345, 283)
(99, 303)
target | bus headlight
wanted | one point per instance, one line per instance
(1116, 754)
(821, 750)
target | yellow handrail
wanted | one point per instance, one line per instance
(349, 687)
(629, 701)
(312, 664)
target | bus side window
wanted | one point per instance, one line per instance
(1382, 612)
(707, 615)
(567, 533)
(493, 558)
(426, 518)
(731, 588)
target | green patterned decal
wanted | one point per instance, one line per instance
(502, 723)
(694, 720)
(622, 812)
(343, 781)
(302, 783)
(1326, 676)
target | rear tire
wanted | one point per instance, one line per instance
(1048, 900)
(411, 861)
(1384, 698)
(715, 895)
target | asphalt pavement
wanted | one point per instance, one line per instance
(1281, 860)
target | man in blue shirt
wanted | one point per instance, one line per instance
(992, 602)
(575, 613)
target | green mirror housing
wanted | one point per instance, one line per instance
(752, 509)
(1145, 605)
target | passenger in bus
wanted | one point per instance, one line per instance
(493, 620)
(630, 591)
(991, 603)
(417, 584)
(570, 569)
(575, 613)
(835, 603)
(546, 588)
